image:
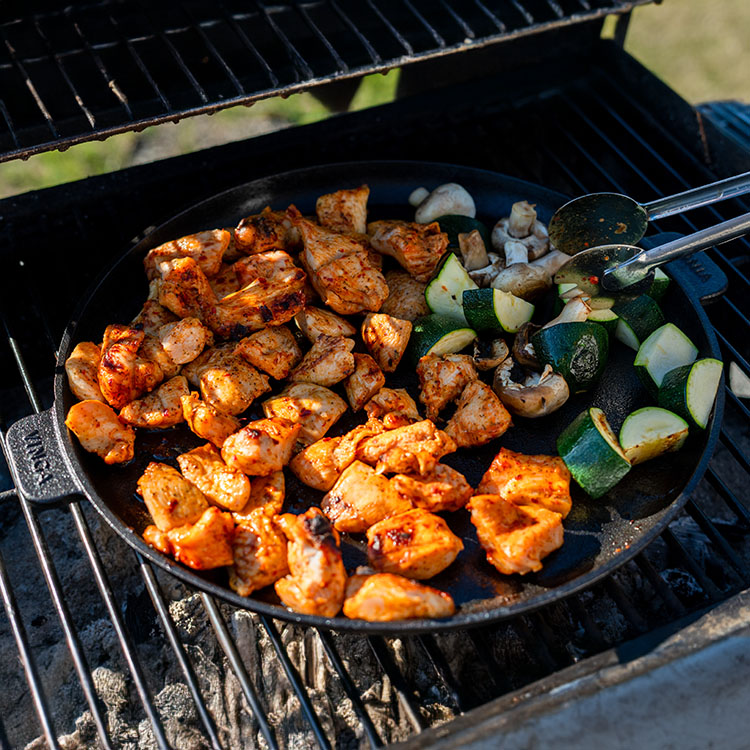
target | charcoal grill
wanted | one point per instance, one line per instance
(525, 88)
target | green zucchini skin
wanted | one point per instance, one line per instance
(677, 391)
(496, 311)
(639, 318)
(659, 285)
(577, 351)
(665, 349)
(455, 224)
(606, 318)
(443, 293)
(430, 330)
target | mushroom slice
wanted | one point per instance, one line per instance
(535, 396)
(489, 354)
(575, 311)
(523, 349)
(473, 252)
(523, 279)
(450, 198)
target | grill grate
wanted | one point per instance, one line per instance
(585, 133)
(72, 75)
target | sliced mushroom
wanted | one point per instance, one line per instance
(523, 280)
(418, 195)
(522, 225)
(552, 262)
(575, 311)
(523, 349)
(536, 396)
(515, 252)
(450, 198)
(473, 251)
(489, 354)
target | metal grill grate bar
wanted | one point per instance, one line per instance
(242, 36)
(718, 539)
(727, 495)
(371, 51)
(301, 65)
(340, 64)
(443, 671)
(711, 591)
(391, 28)
(614, 589)
(660, 585)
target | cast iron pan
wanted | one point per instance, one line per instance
(599, 535)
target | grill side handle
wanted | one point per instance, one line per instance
(36, 461)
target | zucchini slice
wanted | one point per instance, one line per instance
(444, 294)
(455, 224)
(495, 310)
(639, 318)
(591, 452)
(665, 349)
(659, 285)
(690, 390)
(606, 318)
(601, 303)
(438, 334)
(651, 431)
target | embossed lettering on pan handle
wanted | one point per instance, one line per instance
(37, 464)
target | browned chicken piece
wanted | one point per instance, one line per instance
(160, 409)
(417, 247)
(543, 481)
(185, 339)
(344, 210)
(203, 466)
(157, 539)
(340, 268)
(266, 496)
(82, 369)
(99, 430)
(273, 350)
(152, 366)
(225, 282)
(206, 422)
(268, 230)
(516, 538)
(361, 498)
(315, 467)
(384, 597)
(193, 370)
(116, 374)
(205, 248)
(315, 408)
(345, 452)
(394, 407)
(153, 316)
(366, 380)
(317, 578)
(205, 544)
(268, 265)
(442, 379)
(314, 322)
(260, 557)
(405, 296)
(416, 544)
(328, 362)
(386, 338)
(443, 489)
(185, 290)
(261, 447)
(171, 500)
(479, 417)
(414, 449)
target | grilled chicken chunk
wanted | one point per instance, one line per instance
(442, 379)
(206, 422)
(328, 362)
(185, 290)
(315, 467)
(394, 407)
(366, 380)
(171, 500)
(152, 315)
(152, 365)
(417, 247)
(361, 498)
(386, 338)
(225, 282)
(443, 489)
(259, 551)
(345, 452)
(405, 296)
(261, 447)
(273, 350)
(82, 368)
(266, 496)
(100, 431)
(205, 248)
(314, 322)
(268, 230)
(184, 339)
(344, 210)
(384, 597)
(157, 539)
(203, 466)
(480, 416)
(316, 581)
(416, 544)
(162, 408)
(315, 408)
(543, 481)
(415, 449)
(515, 538)
(116, 374)
(205, 544)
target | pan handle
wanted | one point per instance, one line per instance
(36, 461)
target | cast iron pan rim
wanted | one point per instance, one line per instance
(458, 621)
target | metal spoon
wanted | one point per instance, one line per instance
(627, 267)
(608, 218)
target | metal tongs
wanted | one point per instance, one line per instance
(628, 268)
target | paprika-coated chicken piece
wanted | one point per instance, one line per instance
(317, 578)
(82, 369)
(417, 247)
(268, 230)
(205, 248)
(384, 597)
(345, 452)
(315, 467)
(344, 211)
(185, 291)
(360, 498)
(152, 365)
(543, 481)
(416, 544)
(221, 485)
(160, 409)
(116, 374)
(314, 322)
(394, 407)
(273, 265)
(99, 430)
(386, 338)
(405, 296)
(328, 362)
(171, 500)
(206, 422)
(266, 496)
(225, 282)
(442, 489)
(205, 544)
(261, 447)
(366, 380)
(479, 417)
(184, 339)
(516, 538)
(442, 379)
(152, 315)
(273, 350)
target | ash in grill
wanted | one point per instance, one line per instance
(114, 652)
